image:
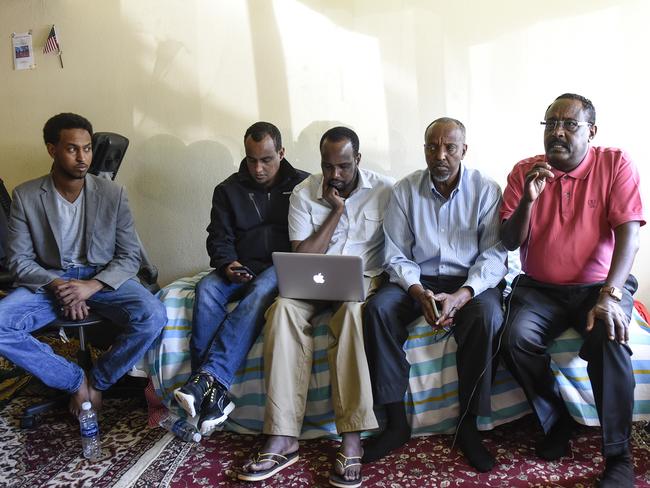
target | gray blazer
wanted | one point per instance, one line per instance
(34, 247)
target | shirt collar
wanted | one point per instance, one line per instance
(435, 192)
(581, 171)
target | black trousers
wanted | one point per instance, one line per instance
(540, 312)
(476, 326)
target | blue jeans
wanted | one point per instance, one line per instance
(131, 306)
(220, 340)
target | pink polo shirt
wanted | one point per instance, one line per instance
(571, 237)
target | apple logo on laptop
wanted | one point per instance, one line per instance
(319, 278)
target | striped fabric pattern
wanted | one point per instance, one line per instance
(431, 400)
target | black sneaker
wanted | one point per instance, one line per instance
(190, 396)
(216, 408)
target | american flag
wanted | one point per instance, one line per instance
(52, 43)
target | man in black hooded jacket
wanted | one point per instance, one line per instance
(248, 222)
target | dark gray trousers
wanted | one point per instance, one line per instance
(538, 313)
(476, 327)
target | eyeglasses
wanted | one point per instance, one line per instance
(569, 125)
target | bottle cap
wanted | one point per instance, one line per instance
(86, 406)
(196, 437)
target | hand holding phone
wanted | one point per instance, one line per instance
(434, 306)
(243, 270)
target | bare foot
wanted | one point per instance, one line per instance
(276, 444)
(95, 397)
(348, 458)
(78, 397)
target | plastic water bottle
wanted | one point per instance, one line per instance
(180, 427)
(90, 442)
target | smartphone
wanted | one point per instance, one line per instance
(243, 270)
(434, 305)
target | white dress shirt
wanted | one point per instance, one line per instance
(359, 231)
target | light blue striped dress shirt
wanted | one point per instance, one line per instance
(427, 234)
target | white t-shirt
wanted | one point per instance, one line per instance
(71, 220)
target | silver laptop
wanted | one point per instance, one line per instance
(320, 276)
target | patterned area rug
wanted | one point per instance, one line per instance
(423, 462)
(137, 456)
(50, 454)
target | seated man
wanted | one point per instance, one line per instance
(248, 223)
(442, 251)
(338, 212)
(576, 212)
(72, 247)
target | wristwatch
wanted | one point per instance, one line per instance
(612, 291)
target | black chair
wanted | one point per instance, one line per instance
(5, 203)
(5, 199)
(108, 152)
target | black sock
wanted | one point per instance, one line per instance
(469, 441)
(619, 472)
(395, 435)
(555, 444)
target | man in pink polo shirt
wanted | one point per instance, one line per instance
(575, 211)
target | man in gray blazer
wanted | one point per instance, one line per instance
(72, 247)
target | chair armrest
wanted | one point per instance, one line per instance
(6, 279)
(148, 276)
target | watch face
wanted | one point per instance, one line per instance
(613, 292)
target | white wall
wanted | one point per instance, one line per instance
(183, 80)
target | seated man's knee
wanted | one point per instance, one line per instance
(350, 313)
(159, 315)
(351, 308)
(376, 307)
(286, 305)
(151, 313)
(278, 314)
(262, 289)
(209, 287)
(518, 337)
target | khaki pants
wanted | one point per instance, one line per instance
(288, 353)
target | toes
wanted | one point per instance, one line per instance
(255, 467)
(352, 474)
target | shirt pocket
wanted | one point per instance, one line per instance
(465, 242)
(372, 220)
(318, 219)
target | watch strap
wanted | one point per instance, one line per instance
(612, 291)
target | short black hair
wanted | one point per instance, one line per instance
(447, 120)
(339, 133)
(259, 130)
(53, 127)
(586, 105)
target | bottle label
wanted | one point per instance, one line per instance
(90, 430)
(179, 427)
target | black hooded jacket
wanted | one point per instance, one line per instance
(248, 222)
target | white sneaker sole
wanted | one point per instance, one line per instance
(208, 426)
(185, 401)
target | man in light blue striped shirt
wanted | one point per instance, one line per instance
(445, 259)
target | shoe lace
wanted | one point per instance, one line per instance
(196, 379)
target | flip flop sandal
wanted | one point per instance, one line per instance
(345, 463)
(280, 462)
